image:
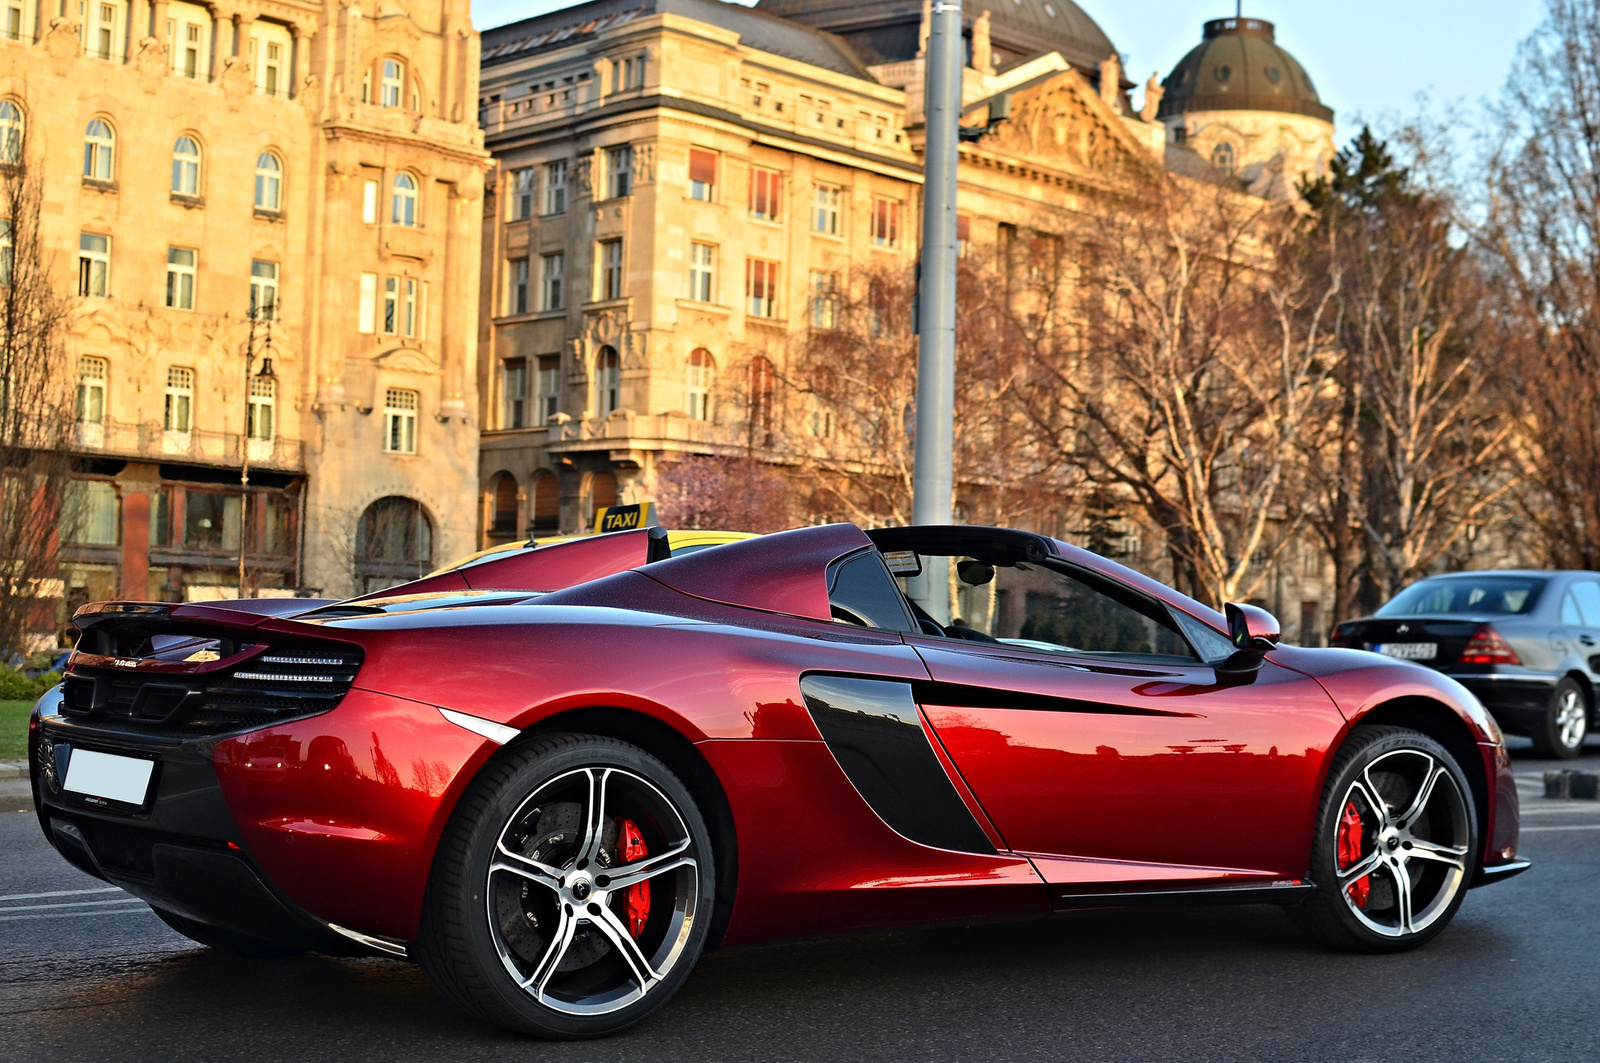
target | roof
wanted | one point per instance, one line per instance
(1239, 66)
(756, 29)
(888, 30)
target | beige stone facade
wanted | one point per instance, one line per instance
(318, 162)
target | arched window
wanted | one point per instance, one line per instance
(546, 504)
(697, 385)
(394, 543)
(99, 149)
(602, 495)
(607, 382)
(269, 181)
(394, 76)
(186, 167)
(1222, 157)
(10, 132)
(404, 201)
(504, 521)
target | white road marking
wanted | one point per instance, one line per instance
(1566, 826)
(73, 915)
(68, 904)
(57, 893)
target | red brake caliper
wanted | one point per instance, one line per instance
(633, 848)
(1350, 832)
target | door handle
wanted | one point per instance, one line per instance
(1586, 640)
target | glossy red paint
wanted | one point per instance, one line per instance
(752, 574)
(343, 810)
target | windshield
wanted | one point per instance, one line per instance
(1501, 595)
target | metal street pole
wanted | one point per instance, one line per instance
(933, 480)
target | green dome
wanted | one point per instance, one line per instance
(1239, 67)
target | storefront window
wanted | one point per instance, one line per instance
(89, 513)
(210, 521)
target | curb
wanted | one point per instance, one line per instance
(13, 769)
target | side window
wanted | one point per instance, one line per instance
(861, 591)
(1570, 617)
(1042, 608)
(1587, 592)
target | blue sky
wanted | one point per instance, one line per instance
(1370, 58)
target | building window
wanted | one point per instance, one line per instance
(367, 315)
(555, 187)
(514, 392)
(886, 222)
(765, 186)
(549, 383)
(16, 14)
(610, 269)
(179, 411)
(10, 131)
(186, 167)
(89, 513)
(94, 265)
(552, 272)
(269, 181)
(697, 385)
(189, 39)
(180, 278)
(91, 404)
(963, 235)
(100, 37)
(619, 172)
(411, 308)
(391, 305)
(263, 408)
(404, 203)
(607, 382)
(269, 71)
(521, 193)
(627, 74)
(517, 287)
(702, 267)
(99, 150)
(761, 287)
(369, 202)
(546, 503)
(394, 543)
(263, 290)
(400, 421)
(824, 300)
(1222, 157)
(702, 174)
(393, 79)
(763, 375)
(825, 210)
(504, 523)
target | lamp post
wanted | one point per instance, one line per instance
(263, 312)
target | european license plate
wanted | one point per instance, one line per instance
(109, 777)
(1409, 651)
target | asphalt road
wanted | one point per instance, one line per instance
(87, 974)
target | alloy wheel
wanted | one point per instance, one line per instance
(1572, 722)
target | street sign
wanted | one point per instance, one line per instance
(625, 518)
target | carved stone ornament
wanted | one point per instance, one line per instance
(583, 173)
(151, 61)
(1055, 126)
(235, 76)
(644, 164)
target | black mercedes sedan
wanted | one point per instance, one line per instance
(1526, 643)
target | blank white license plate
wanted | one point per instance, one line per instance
(113, 778)
(1409, 651)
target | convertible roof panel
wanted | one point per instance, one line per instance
(785, 572)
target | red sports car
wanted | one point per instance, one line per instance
(553, 777)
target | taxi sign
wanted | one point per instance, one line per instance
(625, 518)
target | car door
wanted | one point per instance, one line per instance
(1582, 604)
(1101, 743)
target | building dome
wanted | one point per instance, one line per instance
(886, 31)
(1239, 67)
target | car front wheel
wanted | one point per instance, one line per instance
(1565, 724)
(1396, 843)
(572, 891)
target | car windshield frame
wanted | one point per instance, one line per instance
(1406, 602)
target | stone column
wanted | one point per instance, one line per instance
(138, 25)
(158, 29)
(137, 483)
(241, 35)
(300, 61)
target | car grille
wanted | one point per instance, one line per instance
(277, 684)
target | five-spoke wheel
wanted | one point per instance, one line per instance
(1395, 846)
(574, 891)
(1565, 725)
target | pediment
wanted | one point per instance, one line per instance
(406, 360)
(1064, 124)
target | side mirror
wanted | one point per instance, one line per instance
(1252, 628)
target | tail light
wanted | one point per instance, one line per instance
(1488, 646)
(1340, 637)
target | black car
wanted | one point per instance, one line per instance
(1526, 643)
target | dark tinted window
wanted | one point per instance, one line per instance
(861, 591)
(1507, 595)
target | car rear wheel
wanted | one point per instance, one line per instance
(572, 891)
(215, 937)
(1396, 844)
(1565, 724)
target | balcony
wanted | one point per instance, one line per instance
(197, 447)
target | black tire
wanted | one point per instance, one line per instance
(524, 924)
(1561, 731)
(1413, 855)
(215, 937)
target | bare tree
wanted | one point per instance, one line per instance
(726, 493)
(35, 411)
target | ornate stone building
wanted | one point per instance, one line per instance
(283, 179)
